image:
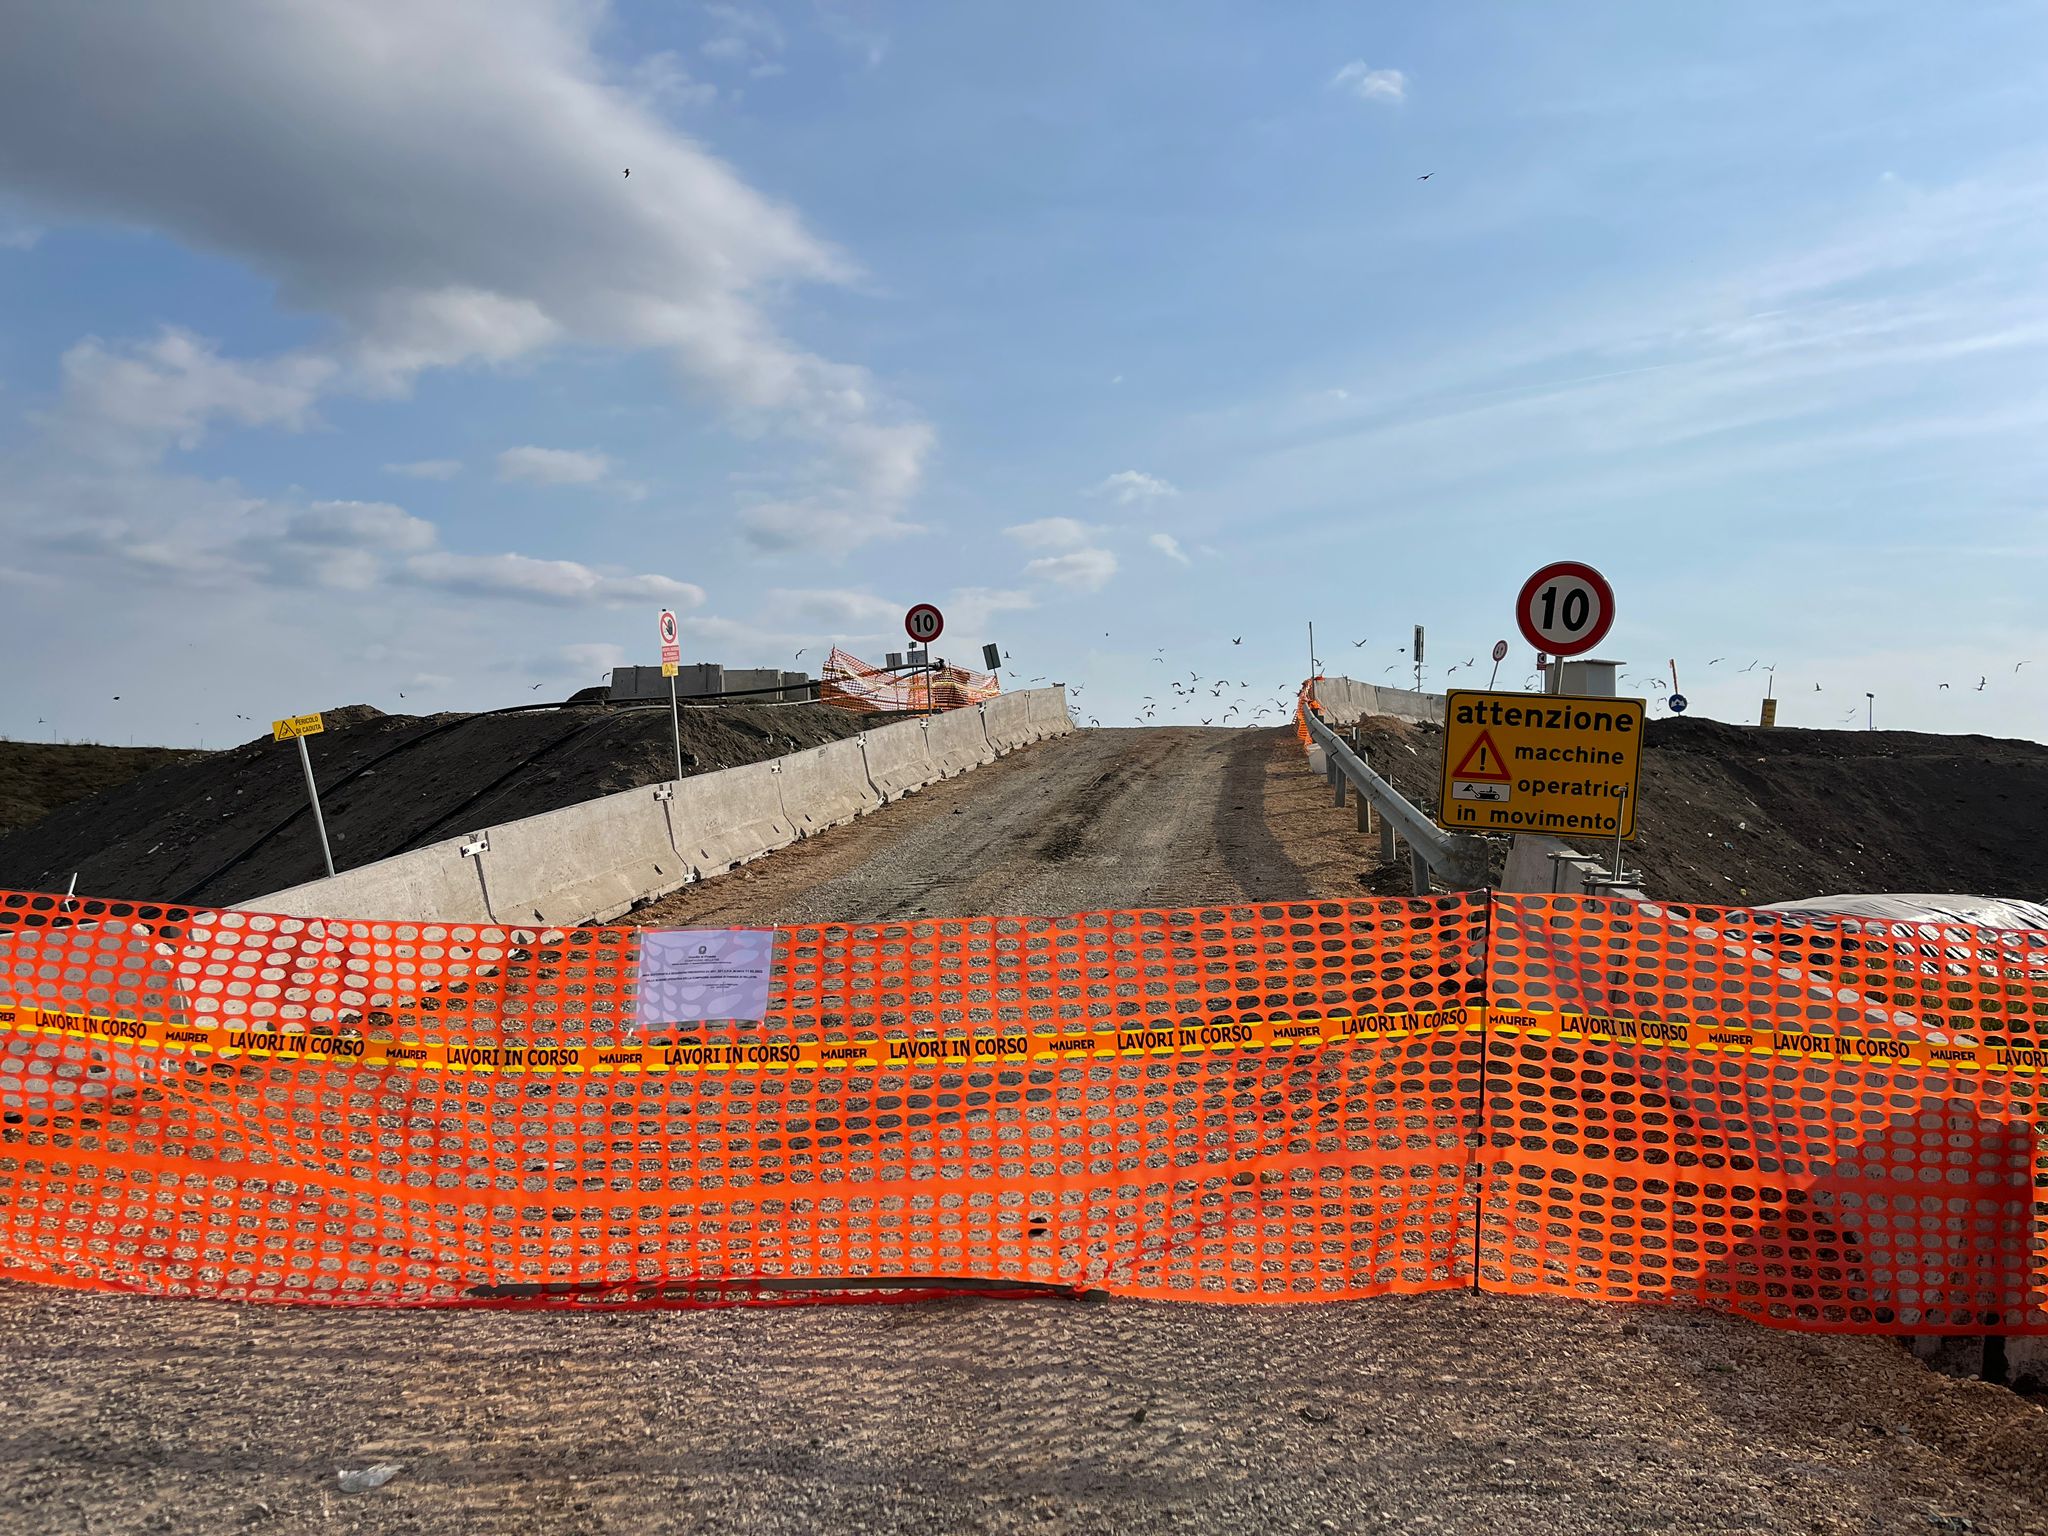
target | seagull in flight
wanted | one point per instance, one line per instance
(1240, 641)
(1425, 175)
(629, 173)
(1980, 685)
(535, 686)
(1357, 643)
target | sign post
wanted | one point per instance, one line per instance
(298, 728)
(671, 661)
(1418, 658)
(1500, 654)
(924, 624)
(1565, 609)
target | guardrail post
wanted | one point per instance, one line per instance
(1365, 810)
(1341, 784)
(1418, 869)
(1386, 841)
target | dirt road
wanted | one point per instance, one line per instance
(1448, 1413)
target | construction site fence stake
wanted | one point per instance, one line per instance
(313, 794)
(675, 720)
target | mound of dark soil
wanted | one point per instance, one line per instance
(221, 827)
(1739, 814)
(36, 777)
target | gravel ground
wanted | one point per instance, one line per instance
(1444, 1413)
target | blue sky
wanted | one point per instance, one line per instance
(340, 360)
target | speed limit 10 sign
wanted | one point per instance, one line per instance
(924, 623)
(1566, 608)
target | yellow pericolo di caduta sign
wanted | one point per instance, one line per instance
(1540, 762)
(296, 726)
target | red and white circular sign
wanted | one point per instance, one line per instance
(924, 623)
(1500, 650)
(1566, 608)
(668, 627)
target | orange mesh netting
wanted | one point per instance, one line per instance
(1819, 1123)
(849, 683)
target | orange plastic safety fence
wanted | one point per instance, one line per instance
(1816, 1122)
(851, 684)
(1270, 1102)
(1827, 1123)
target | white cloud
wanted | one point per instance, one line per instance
(427, 469)
(662, 79)
(972, 610)
(382, 162)
(1128, 486)
(362, 525)
(21, 237)
(1169, 546)
(592, 658)
(742, 34)
(839, 610)
(1369, 84)
(553, 581)
(1080, 570)
(1051, 533)
(132, 403)
(553, 466)
(832, 528)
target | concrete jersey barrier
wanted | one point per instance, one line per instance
(584, 863)
(431, 884)
(899, 759)
(1346, 701)
(729, 817)
(591, 862)
(1048, 712)
(827, 786)
(958, 741)
(1007, 719)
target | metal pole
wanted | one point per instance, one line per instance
(675, 718)
(313, 794)
(1311, 647)
(1619, 811)
(1418, 872)
(1493, 679)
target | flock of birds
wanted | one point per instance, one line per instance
(1194, 699)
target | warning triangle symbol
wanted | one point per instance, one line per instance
(1482, 761)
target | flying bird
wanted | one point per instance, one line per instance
(800, 654)
(1980, 685)
(530, 690)
(1944, 685)
(1816, 687)
(1240, 641)
(1717, 661)
(1357, 643)
(1425, 175)
(629, 173)
(2017, 665)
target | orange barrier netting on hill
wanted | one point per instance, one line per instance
(1829, 1124)
(847, 682)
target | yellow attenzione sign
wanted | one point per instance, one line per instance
(296, 726)
(1536, 762)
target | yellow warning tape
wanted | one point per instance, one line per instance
(1015, 1048)
(1741, 1040)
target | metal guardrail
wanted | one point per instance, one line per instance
(1458, 861)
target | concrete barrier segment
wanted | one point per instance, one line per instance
(586, 863)
(957, 741)
(729, 817)
(827, 786)
(899, 758)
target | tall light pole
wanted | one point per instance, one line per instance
(1870, 712)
